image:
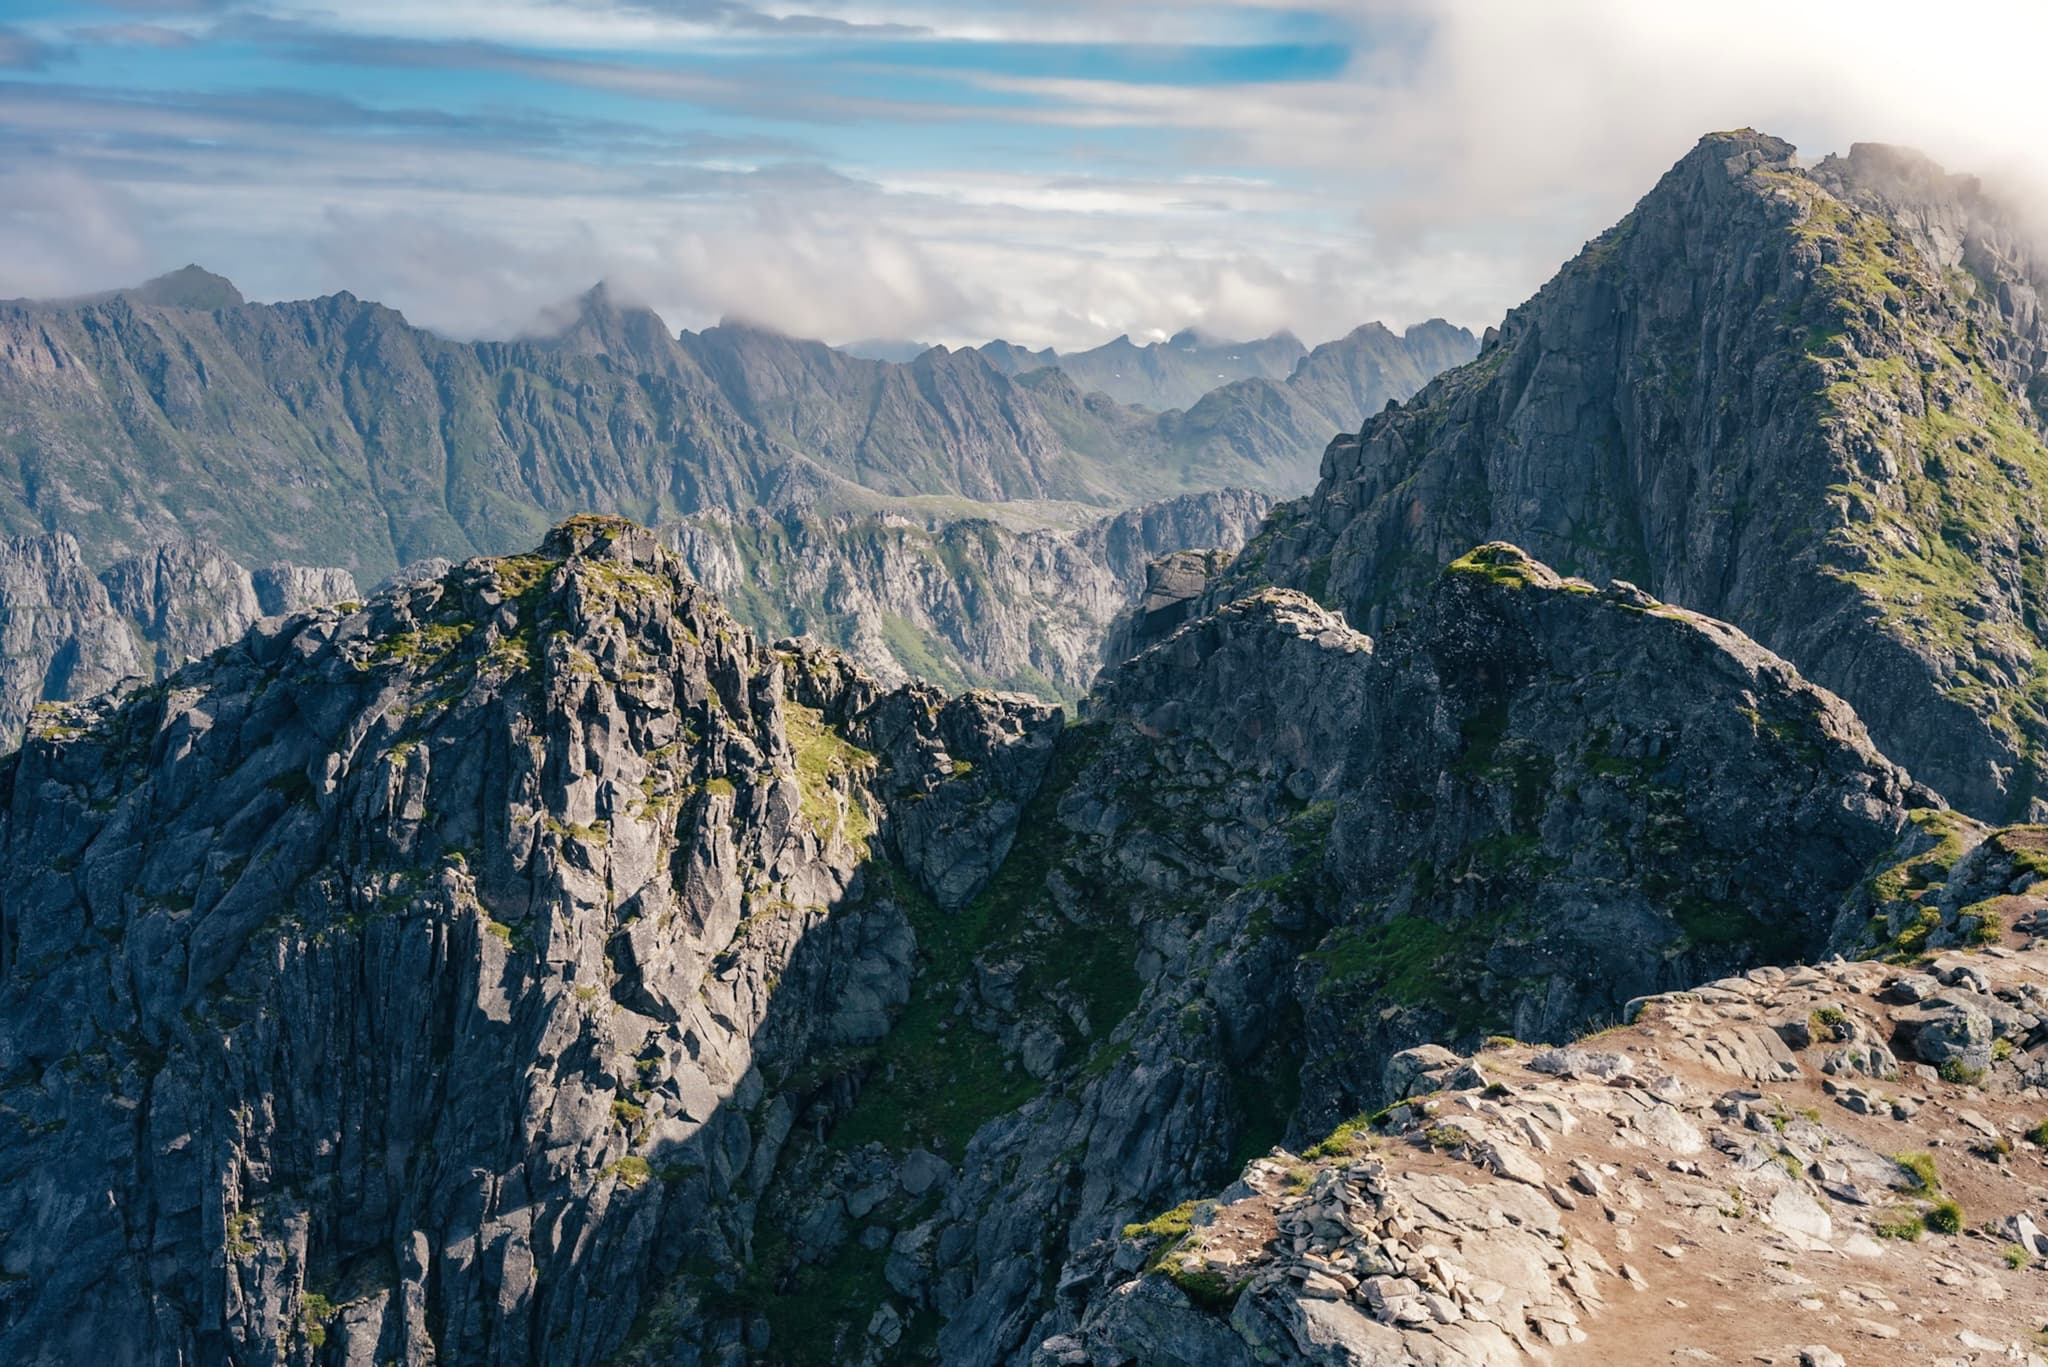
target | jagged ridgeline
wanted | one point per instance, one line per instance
(1807, 400)
(333, 432)
(532, 966)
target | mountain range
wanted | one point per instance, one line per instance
(332, 432)
(1416, 947)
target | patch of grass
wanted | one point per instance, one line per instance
(1496, 564)
(1903, 1225)
(1920, 1167)
(1343, 1140)
(827, 767)
(2038, 1136)
(1961, 1074)
(1830, 1023)
(2016, 1257)
(1171, 1224)
(1945, 1217)
(1445, 1138)
(314, 1312)
(632, 1171)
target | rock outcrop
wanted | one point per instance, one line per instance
(70, 634)
(1753, 1140)
(960, 602)
(399, 983)
(530, 965)
(1271, 856)
(1808, 401)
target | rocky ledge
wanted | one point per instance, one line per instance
(1745, 1173)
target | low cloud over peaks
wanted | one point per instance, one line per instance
(1054, 173)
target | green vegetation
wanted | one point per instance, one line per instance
(1206, 1288)
(2038, 1136)
(1945, 1217)
(1830, 1023)
(1344, 1140)
(1962, 1074)
(1904, 1225)
(1920, 1167)
(827, 765)
(1494, 564)
(1172, 1224)
(632, 1171)
(1902, 371)
(314, 1312)
(241, 1233)
(2016, 1257)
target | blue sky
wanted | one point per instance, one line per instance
(1048, 170)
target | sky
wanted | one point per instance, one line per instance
(1050, 171)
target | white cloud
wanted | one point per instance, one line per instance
(1468, 149)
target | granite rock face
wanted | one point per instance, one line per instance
(1271, 856)
(1808, 401)
(959, 602)
(397, 984)
(530, 966)
(70, 634)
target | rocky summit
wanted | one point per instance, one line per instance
(1809, 400)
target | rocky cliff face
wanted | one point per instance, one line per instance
(960, 603)
(531, 966)
(399, 984)
(1807, 401)
(70, 634)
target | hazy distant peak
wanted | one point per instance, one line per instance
(598, 322)
(188, 287)
(896, 349)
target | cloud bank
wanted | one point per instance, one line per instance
(1052, 172)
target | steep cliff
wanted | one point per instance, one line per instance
(958, 602)
(1805, 400)
(398, 984)
(530, 966)
(69, 634)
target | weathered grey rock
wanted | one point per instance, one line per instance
(66, 634)
(384, 948)
(1761, 396)
(957, 601)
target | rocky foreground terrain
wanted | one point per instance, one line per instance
(1745, 1173)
